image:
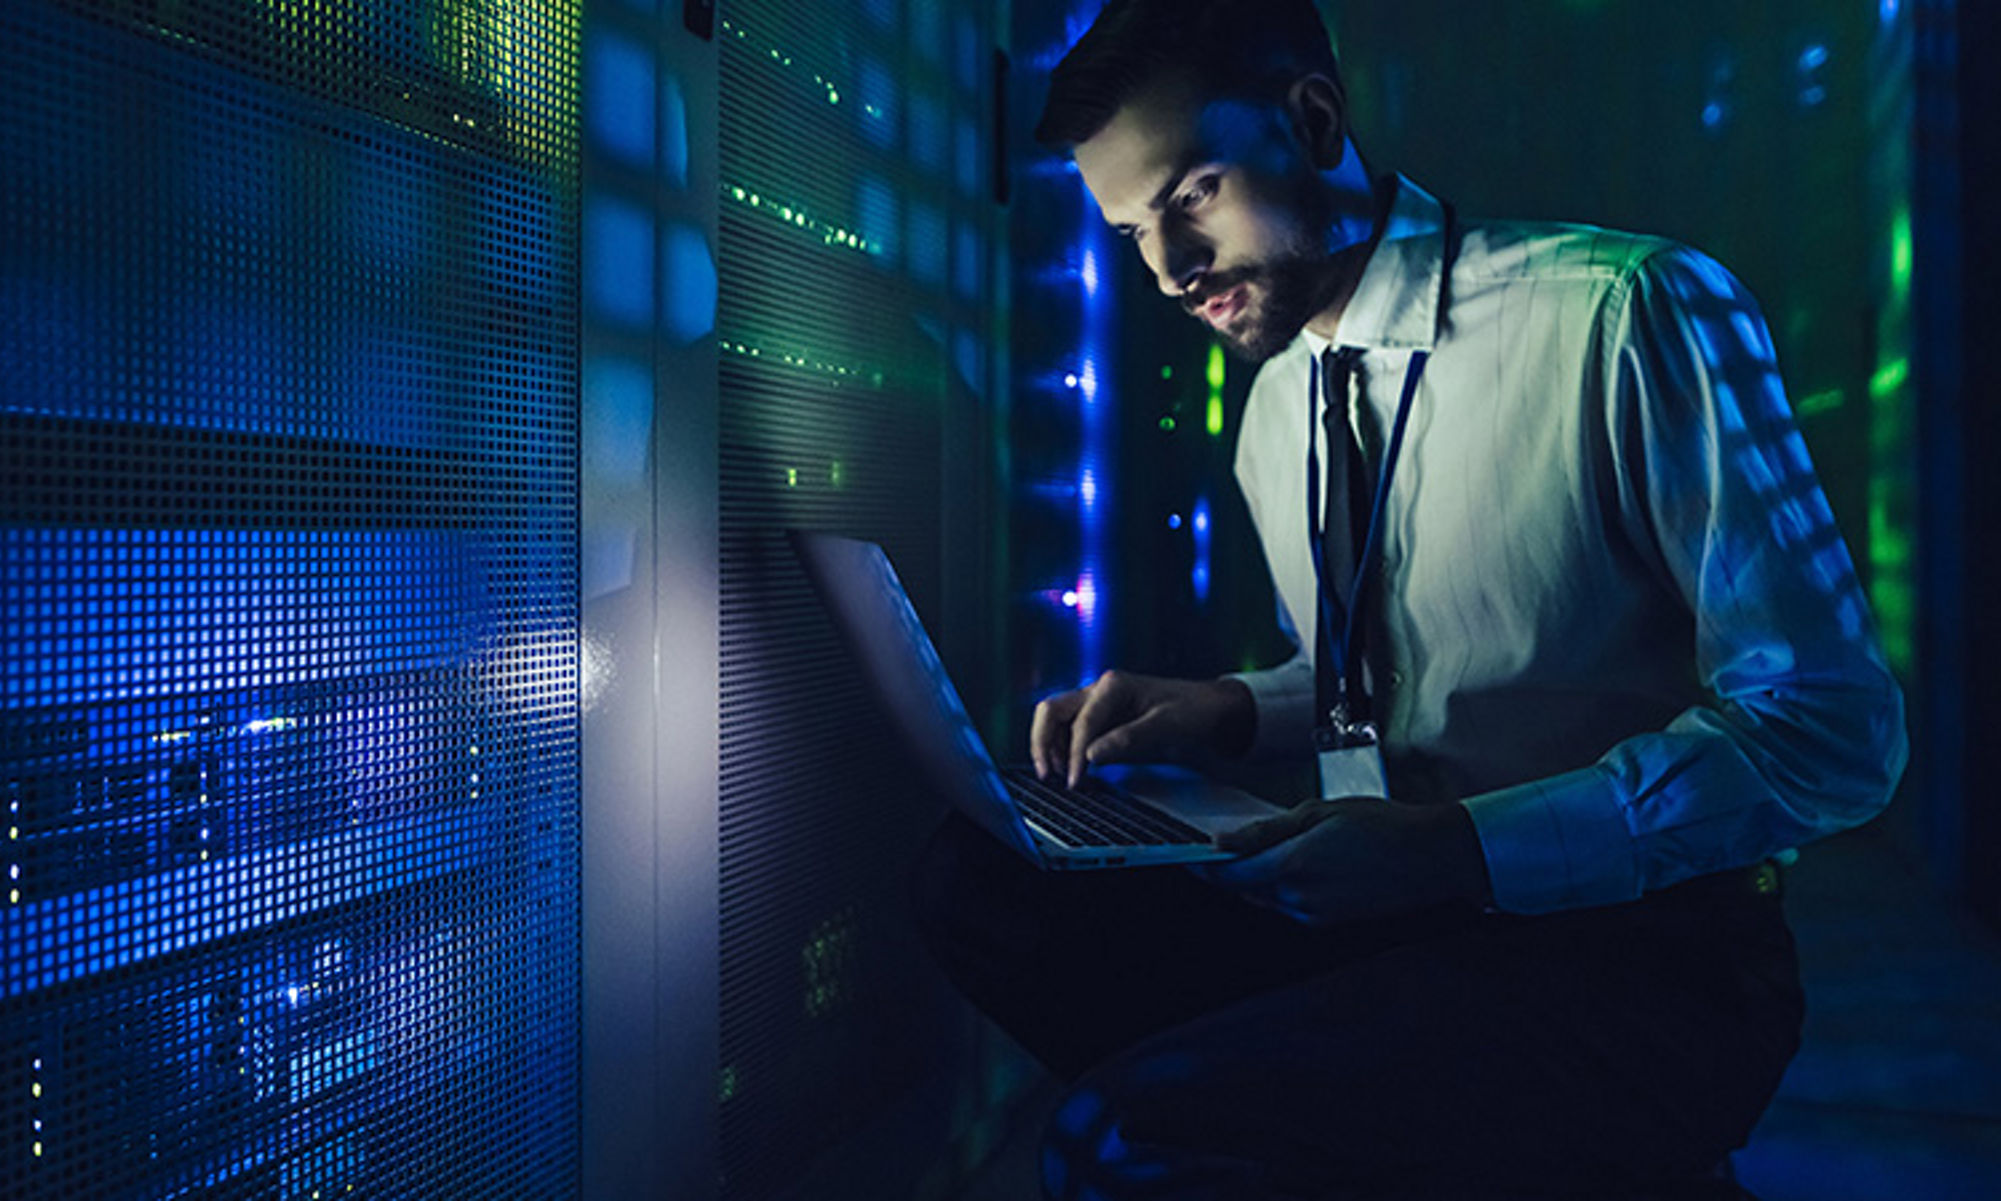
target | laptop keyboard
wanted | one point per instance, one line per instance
(1095, 813)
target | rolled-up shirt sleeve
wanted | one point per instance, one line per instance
(1802, 734)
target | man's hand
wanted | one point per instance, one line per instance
(1346, 860)
(1125, 717)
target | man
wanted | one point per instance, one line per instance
(1576, 584)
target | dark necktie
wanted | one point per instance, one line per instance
(1345, 518)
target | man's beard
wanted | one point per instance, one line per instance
(1282, 295)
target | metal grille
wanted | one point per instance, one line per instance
(288, 586)
(856, 321)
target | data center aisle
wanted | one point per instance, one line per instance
(1896, 1094)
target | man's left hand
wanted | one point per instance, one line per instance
(1333, 861)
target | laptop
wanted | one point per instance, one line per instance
(1122, 816)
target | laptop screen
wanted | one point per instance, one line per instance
(882, 632)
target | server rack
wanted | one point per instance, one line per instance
(288, 572)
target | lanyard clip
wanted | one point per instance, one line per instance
(1341, 731)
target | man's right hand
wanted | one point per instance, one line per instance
(1125, 717)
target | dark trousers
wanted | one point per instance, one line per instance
(1214, 1050)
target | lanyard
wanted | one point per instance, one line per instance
(1339, 710)
(1340, 717)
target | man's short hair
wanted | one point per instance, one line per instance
(1242, 49)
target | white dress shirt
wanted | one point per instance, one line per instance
(1613, 615)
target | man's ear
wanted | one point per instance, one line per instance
(1318, 107)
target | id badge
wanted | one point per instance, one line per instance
(1351, 764)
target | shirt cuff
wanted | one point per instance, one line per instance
(1283, 698)
(1559, 843)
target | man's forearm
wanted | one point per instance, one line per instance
(1237, 727)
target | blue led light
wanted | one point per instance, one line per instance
(1174, 521)
(1713, 115)
(1888, 10)
(1813, 57)
(1199, 574)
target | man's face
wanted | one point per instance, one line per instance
(1223, 206)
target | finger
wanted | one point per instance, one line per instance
(1269, 832)
(1099, 714)
(1260, 880)
(1129, 741)
(1255, 876)
(1049, 732)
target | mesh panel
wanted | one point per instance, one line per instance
(855, 320)
(288, 580)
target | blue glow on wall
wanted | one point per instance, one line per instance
(878, 217)
(878, 112)
(690, 271)
(619, 436)
(673, 169)
(618, 261)
(619, 109)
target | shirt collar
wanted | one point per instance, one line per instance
(1396, 303)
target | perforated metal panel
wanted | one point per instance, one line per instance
(288, 586)
(857, 324)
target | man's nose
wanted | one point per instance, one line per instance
(1184, 260)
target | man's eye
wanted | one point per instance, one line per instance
(1201, 190)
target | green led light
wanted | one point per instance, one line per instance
(1903, 255)
(791, 477)
(777, 55)
(1218, 376)
(1892, 592)
(799, 218)
(839, 373)
(726, 1083)
(1828, 401)
(1889, 380)
(1167, 424)
(1167, 373)
(827, 961)
(835, 473)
